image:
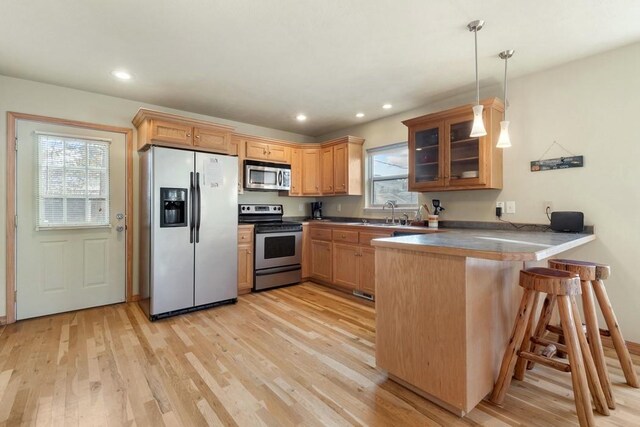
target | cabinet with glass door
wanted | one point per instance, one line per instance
(443, 156)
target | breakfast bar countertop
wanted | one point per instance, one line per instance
(489, 244)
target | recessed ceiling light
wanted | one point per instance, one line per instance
(301, 117)
(121, 74)
(360, 115)
(387, 106)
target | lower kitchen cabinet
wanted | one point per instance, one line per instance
(367, 271)
(245, 259)
(321, 260)
(346, 265)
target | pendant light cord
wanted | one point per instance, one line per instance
(475, 33)
(506, 103)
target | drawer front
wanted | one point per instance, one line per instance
(320, 234)
(345, 236)
(245, 235)
(366, 237)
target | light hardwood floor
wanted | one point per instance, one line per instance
(302, 355)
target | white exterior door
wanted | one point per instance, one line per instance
(70, 203)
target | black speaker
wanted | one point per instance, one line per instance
(567, 222)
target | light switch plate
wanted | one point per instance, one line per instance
(339, 207)
(300, 207)
(511, 207)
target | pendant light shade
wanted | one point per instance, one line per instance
(504, 141)
(478, 125)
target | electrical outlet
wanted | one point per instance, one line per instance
(339, 207)
(511, 207)
(300, 207)
(500, 205)
(548, 207)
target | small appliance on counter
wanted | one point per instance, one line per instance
(316, 210)
(567, 222)
(277, 246)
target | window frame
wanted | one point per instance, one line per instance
(41, 196)
(371, 179)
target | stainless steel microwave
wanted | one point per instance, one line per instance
(266, 176)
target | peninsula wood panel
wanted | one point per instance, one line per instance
(454, 312)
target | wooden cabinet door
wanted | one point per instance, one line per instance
(173, 133)
(345, 265)
(367, 272)
(211, 139)
(306, 252)
(279, 153)
(464, 155)
(256, 150)
(327, 170)
(245, 268)
(427, 156)
(340, 168)
(321, 260)
(311, 171)
(296, 172)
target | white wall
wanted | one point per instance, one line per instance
(591, 107)
(36, 98)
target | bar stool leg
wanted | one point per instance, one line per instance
(545, 317)
(578, 376)
(595, 343)
(509, 359)
(593, 379)
(616, 335)
(521, 363)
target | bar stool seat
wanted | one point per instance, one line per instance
(564, 286)
(592, 275)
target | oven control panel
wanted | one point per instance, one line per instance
(260, 209)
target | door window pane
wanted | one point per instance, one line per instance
(73, 181)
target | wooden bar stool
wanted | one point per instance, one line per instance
(592, 276)
(563, 285)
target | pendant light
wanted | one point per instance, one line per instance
(477, 129)
(504, 141)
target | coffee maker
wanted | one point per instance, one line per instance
(316, 210)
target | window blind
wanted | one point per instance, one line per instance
(73, 181)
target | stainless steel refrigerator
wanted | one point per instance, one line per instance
(188, 230)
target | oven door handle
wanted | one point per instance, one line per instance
(268, 271)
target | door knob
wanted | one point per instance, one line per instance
(120, 228)
(119, 216)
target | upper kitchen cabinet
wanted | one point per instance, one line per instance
(311, 172)
(347, 166)
(296, 172)
(442, 155)
(170, 130)
(327, 170)
(267, 150)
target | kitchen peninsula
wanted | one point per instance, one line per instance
(445, 305)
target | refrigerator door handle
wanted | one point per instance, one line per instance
(199, 209)
(192, 221)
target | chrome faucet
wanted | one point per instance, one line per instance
(392, 205)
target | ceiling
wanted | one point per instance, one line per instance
(265, 61)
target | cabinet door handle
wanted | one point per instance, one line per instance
(188, 135)
(198, 136)
(249, 252)
(330, 187)
(343, 185)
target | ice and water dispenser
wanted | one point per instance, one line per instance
(173, 207)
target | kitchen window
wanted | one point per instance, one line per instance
(388, 176)
(72, 182)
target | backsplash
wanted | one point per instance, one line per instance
(291, 205)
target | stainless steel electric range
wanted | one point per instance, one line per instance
(277, 246)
